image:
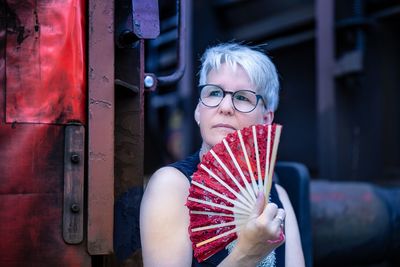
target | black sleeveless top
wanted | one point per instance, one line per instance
(188, 166)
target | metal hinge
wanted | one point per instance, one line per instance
(73, 210)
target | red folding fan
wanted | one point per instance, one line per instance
(225, 186)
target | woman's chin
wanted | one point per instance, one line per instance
(223, 132)
(218, 137)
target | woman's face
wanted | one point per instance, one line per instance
(217, 122)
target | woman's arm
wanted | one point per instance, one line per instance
(293, 251)
(164, 220)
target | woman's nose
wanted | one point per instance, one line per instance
(226, 105)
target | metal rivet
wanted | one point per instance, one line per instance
(148, 81)
(75, 158)
(75, 208)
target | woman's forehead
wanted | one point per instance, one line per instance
(234, 76)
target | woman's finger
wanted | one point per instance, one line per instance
(280, 217)
(259, 207)
(270, 212)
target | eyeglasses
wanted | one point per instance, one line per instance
(243, 100)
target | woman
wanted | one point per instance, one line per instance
(244, 87)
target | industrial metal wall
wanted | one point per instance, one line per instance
(42, 105)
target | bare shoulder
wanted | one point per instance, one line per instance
(167, 180)
(164, 219)
(166, 186)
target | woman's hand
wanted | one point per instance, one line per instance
(259, 236)
(264, 230)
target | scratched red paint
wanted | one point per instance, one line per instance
(43, 84)
(45, 55)
(27, 150)
(31, 195)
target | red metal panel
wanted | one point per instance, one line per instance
(45, 61)
(3, 15)
(26, 154)
(101, 127)
(31, 169)
(42, 83)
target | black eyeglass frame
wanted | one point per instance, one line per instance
(224, 93)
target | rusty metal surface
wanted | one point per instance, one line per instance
(354, 223)
(74, 174)
(129, 153)
(101, 127)
(31, 189)
(3, 24)
(45, 55)
(326, 103)
(129, 139)
(129, 114)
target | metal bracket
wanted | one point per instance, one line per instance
(145, 16)
(73, 211)
(351, 62)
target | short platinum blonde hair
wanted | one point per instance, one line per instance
(256, 64)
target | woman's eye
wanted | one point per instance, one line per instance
(215, 93)
(241, 98)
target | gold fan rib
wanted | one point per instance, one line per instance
(212, 191)
(251, 190)
(241, 188)
(220, 214)
(210, 203)
(217, 237)
(239, 169)
(259, 175)
(273, 158)
(211, 213)
(220, 225)
(267, 163)
(237, 195)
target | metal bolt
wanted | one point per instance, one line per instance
(148, 81)
(75, 158)
(75, 208)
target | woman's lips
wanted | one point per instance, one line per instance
(226, 126)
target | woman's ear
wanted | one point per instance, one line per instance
(197, 115)
(268, 117)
